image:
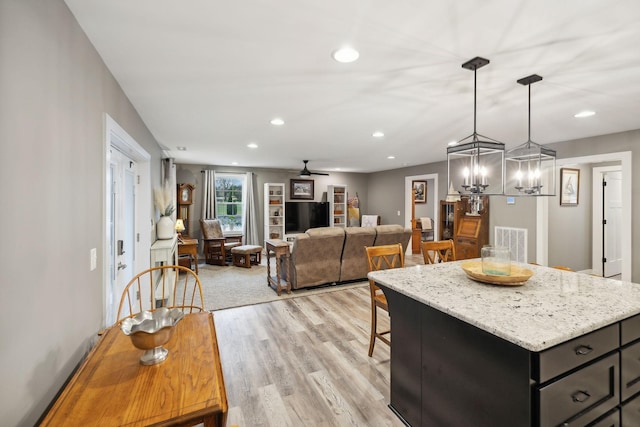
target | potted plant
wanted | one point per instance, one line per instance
(164, 203)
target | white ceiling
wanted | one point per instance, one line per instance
(210, 75)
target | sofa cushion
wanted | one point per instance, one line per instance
(354, 258)
(390, 234)
(315, 257)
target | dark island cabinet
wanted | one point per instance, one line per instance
(445, 371)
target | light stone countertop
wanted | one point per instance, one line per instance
(552, 307)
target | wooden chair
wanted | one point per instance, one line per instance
(381, 258)
(217, 247)
(170, 286)
(440, 251)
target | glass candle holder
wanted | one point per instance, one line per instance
(496, 260)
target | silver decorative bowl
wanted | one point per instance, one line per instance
(150, 330)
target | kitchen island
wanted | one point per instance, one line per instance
(562, 349)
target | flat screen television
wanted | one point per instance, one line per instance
(301, 216)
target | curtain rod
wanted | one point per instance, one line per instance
(204, 170)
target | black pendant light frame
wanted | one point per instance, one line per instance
(469, 152)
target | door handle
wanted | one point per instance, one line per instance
(121, 266)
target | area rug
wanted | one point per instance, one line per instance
(230, 286)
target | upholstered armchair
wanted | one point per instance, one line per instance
(217, 247)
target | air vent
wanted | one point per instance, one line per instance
(513, 238)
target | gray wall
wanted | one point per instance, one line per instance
(386, 191)
(569, 227)
(522, 214)
(185, 173)
(54, 92)
(570, 242)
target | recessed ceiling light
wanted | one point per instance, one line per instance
(277, 121)
(234, 163)
(377, 134)
(452, 143)
(585, 114)
(391, 157)
(346, 54)
(252, 145)
(181, 148)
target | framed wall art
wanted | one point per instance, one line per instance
(420, 191)
(569, 186)
(302, 189)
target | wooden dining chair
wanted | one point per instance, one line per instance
(381, 258)
(440, 251)
(170, 286)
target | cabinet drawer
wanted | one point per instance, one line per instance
(576, 352)
(630, 330)
(581, 397)
(631, 413)
(630, 371)
(609, 420)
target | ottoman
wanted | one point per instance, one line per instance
(245, 255)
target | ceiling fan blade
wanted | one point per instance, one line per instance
(306, 172)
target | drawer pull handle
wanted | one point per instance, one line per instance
(583, 350)
(580, 396)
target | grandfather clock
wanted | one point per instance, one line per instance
(185, 200)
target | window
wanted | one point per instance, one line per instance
(230, 197)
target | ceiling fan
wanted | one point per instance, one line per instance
(306, 172)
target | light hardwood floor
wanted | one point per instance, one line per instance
(303, 362)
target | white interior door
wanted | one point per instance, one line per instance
(612, 208)
(607, 257)
(121, 230)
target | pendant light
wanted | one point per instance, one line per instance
(476, 166)
(530, 166)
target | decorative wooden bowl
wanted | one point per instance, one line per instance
(518, 276)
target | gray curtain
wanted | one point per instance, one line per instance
(251, 219)
(209, 195)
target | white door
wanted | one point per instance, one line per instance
(607, 221)
(611, 228)
(121, 232)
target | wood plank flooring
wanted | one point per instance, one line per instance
(303, 362)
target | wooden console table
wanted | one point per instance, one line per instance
(189, 247)
(280, 249)
(111, 387)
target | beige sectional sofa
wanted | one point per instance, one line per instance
(333, 255)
